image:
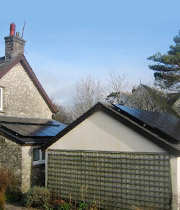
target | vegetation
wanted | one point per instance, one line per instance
(167, 67)
(89, 92)
(2, 200)
(37, 197)
(8, 187)
(62, 115)
(118, 85)
(43, 198)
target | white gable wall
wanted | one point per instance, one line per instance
(104, 133)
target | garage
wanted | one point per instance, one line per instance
(116, 159)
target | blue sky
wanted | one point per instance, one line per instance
(71, 39)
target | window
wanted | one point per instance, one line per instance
(38, 156)
(1, 98)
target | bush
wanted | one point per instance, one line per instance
(65, 206)
(37, 197)
(7, 179)
(8, 182)
(56, 200)
(2, 200)
(82, 206)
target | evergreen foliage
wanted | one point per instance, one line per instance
(167, 67)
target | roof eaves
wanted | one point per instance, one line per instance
(10, 136)
(23, 140)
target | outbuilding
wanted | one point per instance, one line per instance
(117, 157)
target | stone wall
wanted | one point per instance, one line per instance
(11, 157)
(18, 159)
(31, 175)
(21, 98)
(26, 168)
(176, 107)
(14, 46)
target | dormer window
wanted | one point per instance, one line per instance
(1, 98)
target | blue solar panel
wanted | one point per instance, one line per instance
(166, 123)
(32, 130)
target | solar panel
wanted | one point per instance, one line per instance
(165, 123)
(30, 130)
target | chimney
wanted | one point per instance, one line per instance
(14, 46)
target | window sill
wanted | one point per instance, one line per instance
(38, 165)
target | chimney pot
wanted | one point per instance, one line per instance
(12, 29)
(17, 34)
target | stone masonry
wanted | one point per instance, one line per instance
(176, 107)
(11, 157)
(20, 96)
(14, 46)
(31, 175)
(19, 162)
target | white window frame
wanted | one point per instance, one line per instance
(1, 99)
(40, 161)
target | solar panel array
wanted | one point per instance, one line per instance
(160, 122)
(34, 130)
(27, 129)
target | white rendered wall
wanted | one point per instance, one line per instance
(175, 180)
(104, 133)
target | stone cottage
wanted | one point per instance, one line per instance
(25, 115)
(117, 157)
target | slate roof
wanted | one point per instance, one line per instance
(161, 129)
(7, 64)
(29, 130)
(4, 63)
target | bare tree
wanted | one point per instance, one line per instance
(89, 91)
(118, 85)
(63, 114)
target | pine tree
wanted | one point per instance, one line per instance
(167, 67)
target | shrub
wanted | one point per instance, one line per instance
(65, 206)
(56, 200)
(2, 200)
(7, 179)
(144, 208)
(8, 182)
(37, 197)
(82, 206)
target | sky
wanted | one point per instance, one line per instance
(67, 40)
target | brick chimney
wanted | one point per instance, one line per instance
(14, 45)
